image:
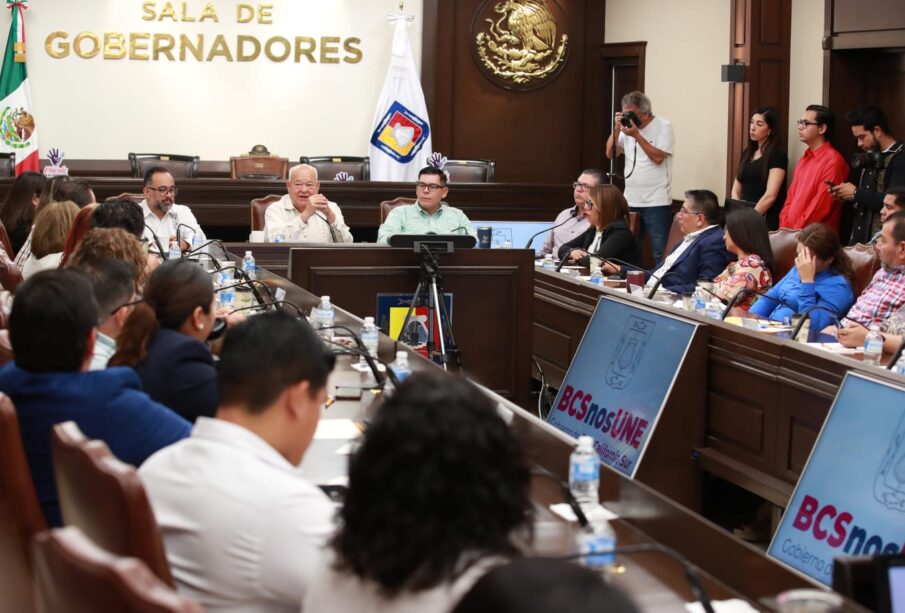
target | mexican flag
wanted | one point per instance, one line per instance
(18, 133)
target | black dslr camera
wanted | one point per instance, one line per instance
(628, 118)
(868, 159)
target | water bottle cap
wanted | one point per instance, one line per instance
(585, 442)
(325, 298)
(247, 253)
(369, 320)
(401, 355)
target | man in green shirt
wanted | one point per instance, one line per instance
(430, 215)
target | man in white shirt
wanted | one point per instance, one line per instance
(573, 221)
(243, 531)
(648, 143)
(166, 221)
(304, 215)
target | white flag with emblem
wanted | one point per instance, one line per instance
(401, 139)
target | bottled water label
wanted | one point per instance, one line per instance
(585, 469)
(598, 549)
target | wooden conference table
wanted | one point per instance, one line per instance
(767, 397)
(729, 567)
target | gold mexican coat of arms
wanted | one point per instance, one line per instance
(519, 47)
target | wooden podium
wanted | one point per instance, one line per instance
(492, 300)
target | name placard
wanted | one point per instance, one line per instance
(620, 379)
(850, 498)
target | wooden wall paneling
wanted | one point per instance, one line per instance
(596, 95)
(760, 36)
(536, 134)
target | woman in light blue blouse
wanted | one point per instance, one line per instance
(823, 276)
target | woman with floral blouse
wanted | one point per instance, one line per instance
(746, 237)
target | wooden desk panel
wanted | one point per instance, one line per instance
(492, 306)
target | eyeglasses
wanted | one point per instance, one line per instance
(804, 123)
(582, 187)
(305, 185)
(127, 305)
(684, 211)
(430, 188)
(163, 190)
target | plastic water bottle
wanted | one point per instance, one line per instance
(900, 366)
(227, 296)
(698, 301)
(324, 318)
(400, 366)
(597, 541)
(369, 338)
(597, 277)
(196, 242)
(279, 238)
(175, 251)
(584, 474)
(548, 263)
(873, 346)
(249, 266)
(714, 309)
(507, 244)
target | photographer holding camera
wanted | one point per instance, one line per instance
(879, 166)
(647, 143)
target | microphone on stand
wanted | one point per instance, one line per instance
(329, 227)
(807, 314)
(572, 215)
(623, 263)
(163, 254)
(896, 355)
(656, 286)
(274, 303)
(193, 230)
(213, 241)
(249, 283)
(363, 352)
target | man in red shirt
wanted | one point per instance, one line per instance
(809, 199)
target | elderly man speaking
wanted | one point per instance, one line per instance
(304, 215)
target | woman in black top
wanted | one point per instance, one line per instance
(609, 235)
(761, 175)
(18, 210)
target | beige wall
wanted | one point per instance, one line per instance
(687, 42)
(805, 66)
(97, 108)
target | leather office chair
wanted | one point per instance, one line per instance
(388, 205)
(258, 167)
(105, 498)
(784, 244)
(136, 198)
(180, 166)
(7, 165)
(10, 275)
(329, 166)
(634, 223)
(865, 263)
(259, 209)
(675, 236)
(20, 516)
(471, 171)
(74, 575)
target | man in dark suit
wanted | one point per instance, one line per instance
(700, 255)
